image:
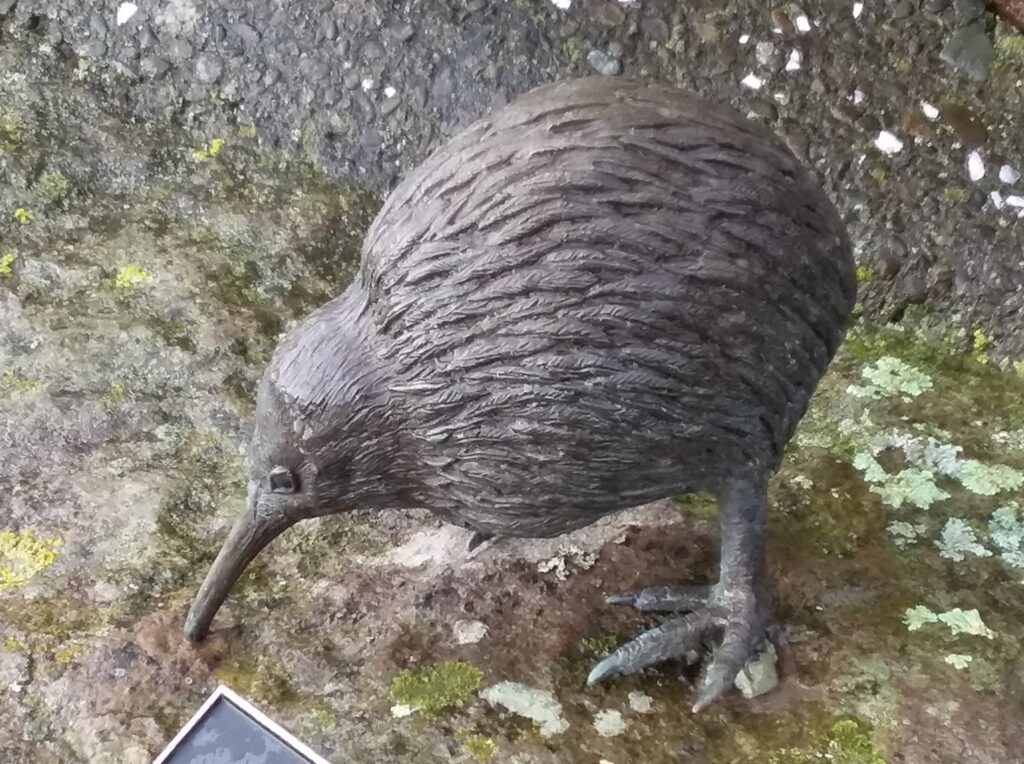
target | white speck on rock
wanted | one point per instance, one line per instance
(997, 200)
(469, 632)
(795, 57)
(744, 39)
(609, 723)
(562, 4)
(929, 111)
(640, 702)
(803, 24)
(888, 143)
(858, 96)
(390, 92)
(858, 9)
(125, 11)
(752, 81)
(540, 706)
(975, 166)
(1015, 201)
(367, 84)
(1009, 175)
(401, 710)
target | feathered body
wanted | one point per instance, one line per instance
(606, 293)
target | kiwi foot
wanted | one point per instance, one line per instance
(734, 615)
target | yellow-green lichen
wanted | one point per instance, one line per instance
(115, 393)
(11, 131)
(14, 382)
(212, 149)
(480, 747)
(954, 194)
(23, 215)
(7, 264)
(23, 555)
(52, 185)
(130, 276)
(437, 687)
(1009, 45)
(865, 274)
(847, 741)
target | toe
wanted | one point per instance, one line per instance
(738, 644)
(667, 599)
(672, 639)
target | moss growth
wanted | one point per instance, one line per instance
(67, 653)
(865, 274)
(131, 276)
(262, 679)
(598, 647)
(52, 186)
(7, 264)
(480, 747)
(23, 215)
(437, 687)
(1009, 44)
(847, 741)
(23, 555)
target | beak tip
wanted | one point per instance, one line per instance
(193, 633)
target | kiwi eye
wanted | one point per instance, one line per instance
(283, 480)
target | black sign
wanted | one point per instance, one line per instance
(229, 730)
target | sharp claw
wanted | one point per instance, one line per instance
(670, 640)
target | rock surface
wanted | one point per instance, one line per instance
(177, 189)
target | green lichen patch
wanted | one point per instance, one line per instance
(210, 150)
(12, 131)
(437, 687)
(1006, 530)
(52, 186)
(130, 276)
(23, 555)
(958, 620)
(891, 376)
(7, 264)
(1009, 46)
(23, 215)
(14, 382)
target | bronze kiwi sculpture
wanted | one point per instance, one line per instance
(605, 293)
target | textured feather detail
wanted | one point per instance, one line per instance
(603, 294)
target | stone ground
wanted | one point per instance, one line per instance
(176, 189)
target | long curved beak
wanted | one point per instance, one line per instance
(251, 532)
